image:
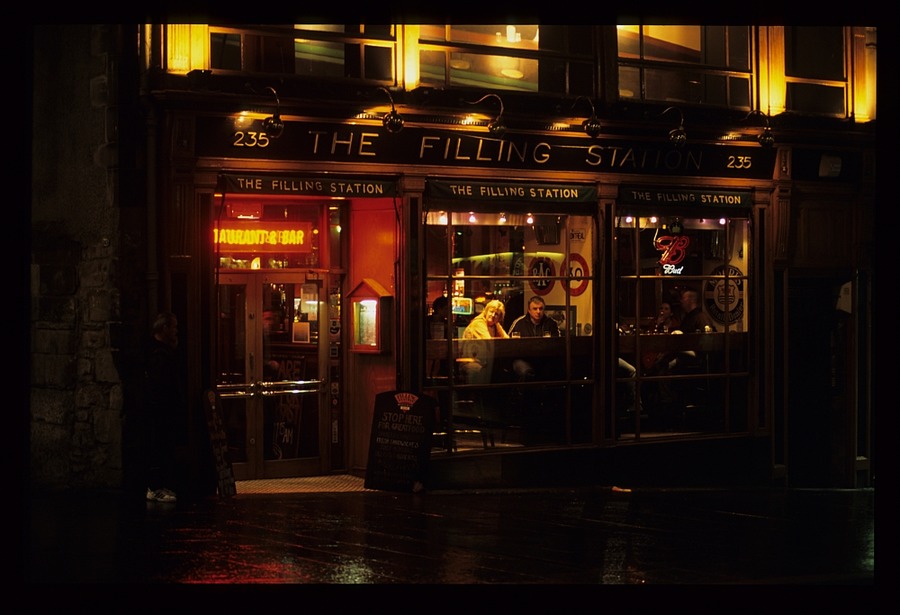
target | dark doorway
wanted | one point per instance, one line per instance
(817, 377)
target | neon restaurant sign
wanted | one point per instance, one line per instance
(245, 236)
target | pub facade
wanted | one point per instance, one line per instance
(324, 239)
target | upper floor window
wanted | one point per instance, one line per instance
(708, 65)
(331, 51)
(824, 70)
(526, 58)
(815, 70)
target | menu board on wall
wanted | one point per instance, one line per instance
(400, 445)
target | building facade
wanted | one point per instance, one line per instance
(329, 210)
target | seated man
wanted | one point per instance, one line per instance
(695, 321)
(534, 323)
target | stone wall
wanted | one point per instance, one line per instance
(76, 410)
(76, 391)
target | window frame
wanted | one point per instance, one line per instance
(643, 65)
(361, 39)
(574, 380)
(732, 372)
(843, 84)
(449, 47)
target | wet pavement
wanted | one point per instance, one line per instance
(596, 535)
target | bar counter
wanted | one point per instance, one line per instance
(668, 342)
(581, 345)
(513, 347)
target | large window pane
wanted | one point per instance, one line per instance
(815, 98)
(528, 58)
(318, 58)
(225, 51)
(814, 52)
(690, 64)
(682, 317)
(379, 63)
(522, 389)
(493, 71)
(673, 43)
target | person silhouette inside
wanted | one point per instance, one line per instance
(533, 323)
(666, 320)
(437, 328)
(477, 355)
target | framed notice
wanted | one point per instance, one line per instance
(300, 333)
(558, 313)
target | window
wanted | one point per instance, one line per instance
(526, 390)
(815, 70)
(708, 65)
(682, 319)
(526, 58)
(330, 51)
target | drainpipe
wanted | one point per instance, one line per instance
(152, 233)
(151, 60)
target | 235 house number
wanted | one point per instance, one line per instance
(250, 138)
(739, 162)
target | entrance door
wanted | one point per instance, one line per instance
(271, 370)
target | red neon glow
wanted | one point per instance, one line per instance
(673, 249)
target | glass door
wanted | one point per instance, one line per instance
(271, 373)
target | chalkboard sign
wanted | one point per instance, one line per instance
(400, 446)
(224, 472)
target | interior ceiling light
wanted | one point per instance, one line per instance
(677, 136)
(273, 126)
(765, 138)
(496, 126)
(393, 121)
(591, 125)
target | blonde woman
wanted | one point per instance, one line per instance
(477, 352)
(488, 324)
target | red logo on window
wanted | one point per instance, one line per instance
(673, 249)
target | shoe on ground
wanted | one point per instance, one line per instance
(160, 495)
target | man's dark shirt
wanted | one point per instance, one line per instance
(696, 320)
(526, 328)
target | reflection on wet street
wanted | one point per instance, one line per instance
(589, 536)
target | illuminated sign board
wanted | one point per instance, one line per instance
(511, 191)
(650, 195)
(255, 183)
(263, 236)
(322, 141)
